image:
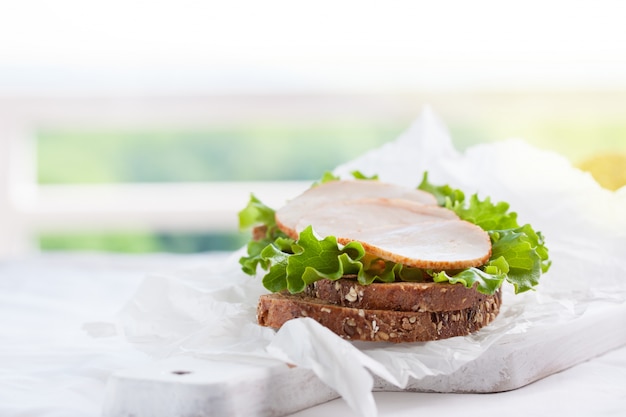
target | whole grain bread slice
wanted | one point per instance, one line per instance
(399, 296)
(378, 325)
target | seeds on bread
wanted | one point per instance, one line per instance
(398, 296)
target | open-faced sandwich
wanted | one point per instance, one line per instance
(374, 261)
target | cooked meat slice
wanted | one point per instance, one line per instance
(344, 190)
(360, 214)
(450, 244)
(400, 231)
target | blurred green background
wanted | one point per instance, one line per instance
(279, 151)
(255, 152)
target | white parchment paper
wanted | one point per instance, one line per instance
(210, 311)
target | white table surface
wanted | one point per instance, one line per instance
(49, 365)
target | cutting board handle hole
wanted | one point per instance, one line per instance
(181, 372)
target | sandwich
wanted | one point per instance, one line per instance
(375, 261)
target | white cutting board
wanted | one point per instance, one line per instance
(186, 386)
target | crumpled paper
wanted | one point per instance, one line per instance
(210, 311)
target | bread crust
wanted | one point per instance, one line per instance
(398, 296)
(379, 325)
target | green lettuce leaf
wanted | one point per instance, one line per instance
(329, 176)
(299, 263)
(487, 215)
(519, 254)
(525, 253)
(444, 194)
(258, 214)
(314, 259)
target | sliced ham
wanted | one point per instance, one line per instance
(407, 232)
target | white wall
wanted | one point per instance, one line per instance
(279, 46)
